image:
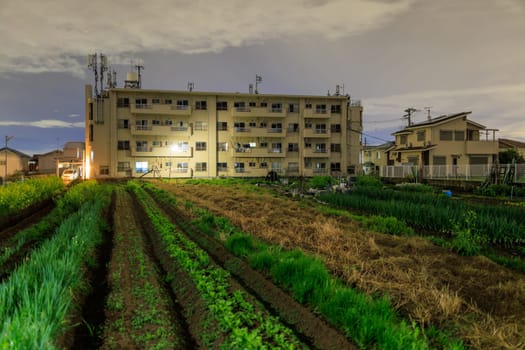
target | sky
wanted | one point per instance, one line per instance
(439, 57)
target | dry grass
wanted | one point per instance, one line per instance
(425, 282)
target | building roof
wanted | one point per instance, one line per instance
(381, 146)
(18, 153)
(74, 144)
(438, 120)
(508, 143)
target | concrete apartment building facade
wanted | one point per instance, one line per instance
(133, 132)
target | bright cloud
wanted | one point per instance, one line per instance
(41, 36)
(45, 123)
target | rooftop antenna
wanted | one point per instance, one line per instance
(250, 88)
(191, 85)
(92, 63)
(428, 112)
(139, 67)
(338, 89)
(103, 68)
(258, 80)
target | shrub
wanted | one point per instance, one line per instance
(389, 224)
(467, 239)
(320, 182)
(368, 181)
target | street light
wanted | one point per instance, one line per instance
(7, 138)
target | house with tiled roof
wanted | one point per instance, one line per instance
(12, 162)
(508, 144)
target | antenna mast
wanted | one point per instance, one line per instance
(139, 67)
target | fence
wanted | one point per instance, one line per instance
(460, 172)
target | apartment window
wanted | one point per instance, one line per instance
(222, 146)
(276, 147)
(222, 166)
(320, 128)
(142, 146)
(308, 106)
(168, 101)
(445, 135)
(155, 122)
(293, 166)
(103, 170)
(459, 135)
(251, 164)
(200, 146)
(335, 167)
(182, 167)
(252, 104)
(156, 143)
(335, 128)
(201, 105)
(264, 144)
(222, 126)
(239, 126)
(155, 101)
(277, 107)
(168, 164)
(201, 126)
(335, 109)
(91, 132)
(263, 125)
(180, 147)
(123, 166)
(264, 104)
(335, 147)
(123, 145)
(421, 135)
(293, 108)
(123, 124)
(319, 168)
(123, 102)
(200, 166)
(276, 127)
(239, 167)
(252, 124)
(240, 106)
(182, 104)
(141, 167)
(90, 111)
(263, 165)
(307, 125)
(141, 102)
(222, 105)
(293, 147)
(168, 122)
(320, 108)
(403, 139)
(307, 144)
(320, 148)
(293, 127)
(277, 166)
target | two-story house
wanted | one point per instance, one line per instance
(449, 145)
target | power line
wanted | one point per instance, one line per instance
(368, 135)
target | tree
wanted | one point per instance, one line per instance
(507, 156)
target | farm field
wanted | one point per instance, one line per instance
(472, 298)
(206, 265)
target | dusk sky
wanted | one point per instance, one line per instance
(449, 55)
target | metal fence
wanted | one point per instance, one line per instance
(460, 172)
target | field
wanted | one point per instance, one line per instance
(232, 265)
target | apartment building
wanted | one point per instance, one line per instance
(133, 132)
(449, 145)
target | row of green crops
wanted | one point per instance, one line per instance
(499, 224)
(370, 322)
(241, 325)
(66, 205)
(37, 298)
(20, 195)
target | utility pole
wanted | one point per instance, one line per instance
(408, 114)
(7, 138)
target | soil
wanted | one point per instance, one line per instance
(483, 301)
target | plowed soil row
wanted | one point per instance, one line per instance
(483, 301)
(314, 331)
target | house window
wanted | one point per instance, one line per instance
(123, 124)
(182, 104)
(335, 127)
(201, 105)
(320, 108)
(200, 146)
(459, 135)
(222, 146)
(123, 145)
(277, 107)
(222, 126)
(141, 167)
(293, 147)
(403, 139)
(201, 126)
(335, 109)
(123, 102)
(335, 167)
(123, 166)
(222, 105)
(335, 147)
(200, 166)
(421, 135)
(414, 160)
(445, 135)
(439, 160)
(223, 166)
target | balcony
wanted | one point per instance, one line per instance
(160, 152)
(482, 147)
(315, 153)
(258, 112)
(316, 133)
(160, 109)
(258, 152)
(262, 132)
(317, 113)
(160, 130)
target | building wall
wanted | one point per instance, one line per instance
(15, 163)
(169, 137)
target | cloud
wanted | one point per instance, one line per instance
(74, 115)
(55, 36)
(45, 123)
